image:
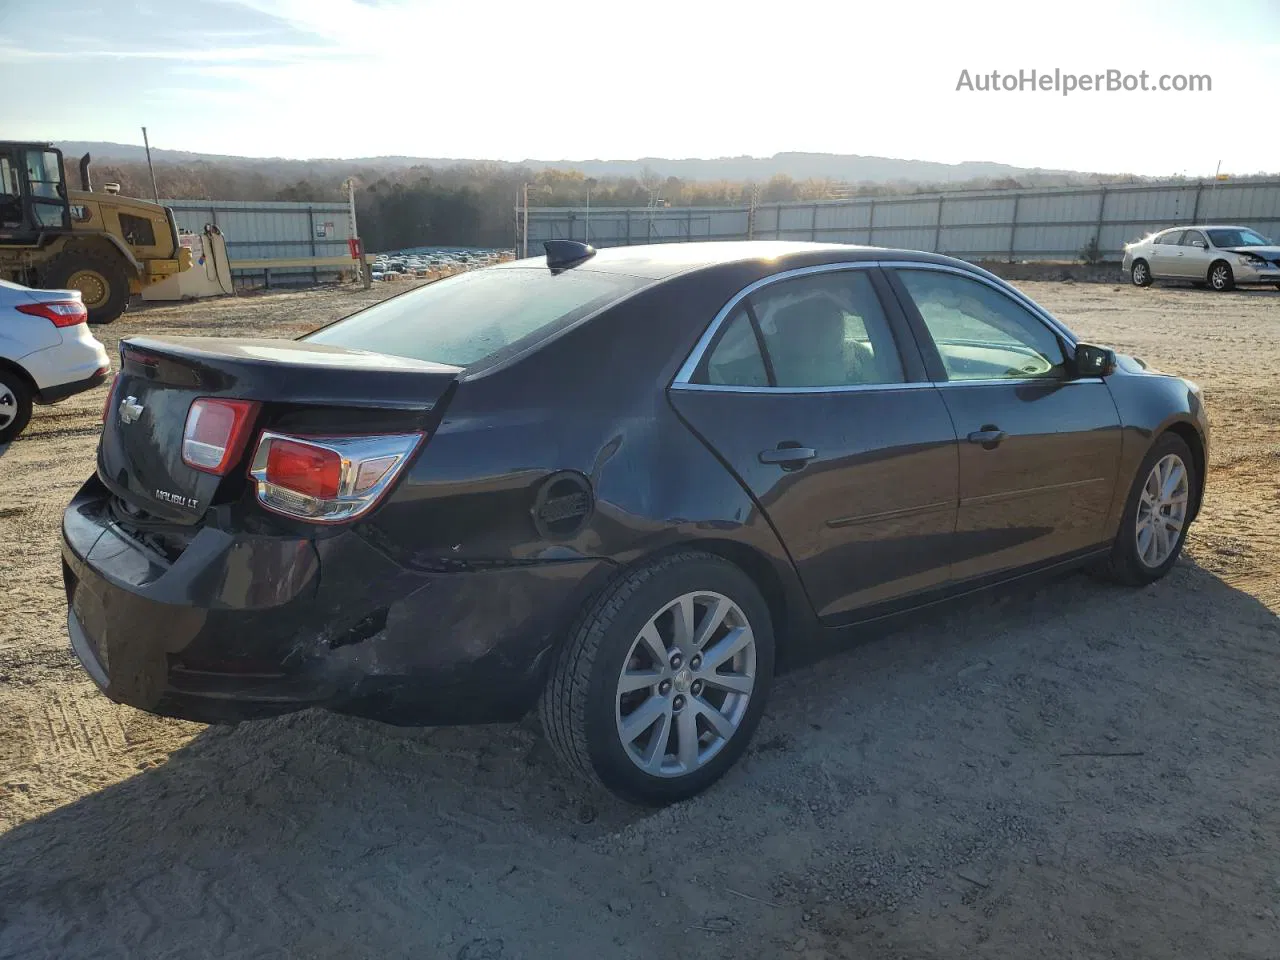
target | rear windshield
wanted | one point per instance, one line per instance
(478, 317)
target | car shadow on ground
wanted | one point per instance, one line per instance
(960, 739)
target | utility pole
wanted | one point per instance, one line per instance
(357, 249)
(524, 236)
(586, 220)
(155, 192)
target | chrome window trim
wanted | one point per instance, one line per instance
(684, 376)
(994, 283)
(881, 387)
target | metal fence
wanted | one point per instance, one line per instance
(1043, 224)
(266, 231)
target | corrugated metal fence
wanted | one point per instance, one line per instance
(259, 230)
(1045, 224)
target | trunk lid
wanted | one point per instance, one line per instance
(316, 387)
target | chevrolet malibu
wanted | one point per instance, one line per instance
(614, 486)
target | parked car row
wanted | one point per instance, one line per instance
(1216, 256)
(387, 266)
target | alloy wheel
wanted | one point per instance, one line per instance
(8, 405)
(1162, 510)
(685, 684)
(1219, 277)
(1139, 273)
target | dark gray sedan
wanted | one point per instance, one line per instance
(613, 485)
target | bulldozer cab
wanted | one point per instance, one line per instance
(33, 196)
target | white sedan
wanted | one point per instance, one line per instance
(46, 352)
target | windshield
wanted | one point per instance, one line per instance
(1234, 237)
(474, 317)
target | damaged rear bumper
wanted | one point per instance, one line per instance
(238, 626)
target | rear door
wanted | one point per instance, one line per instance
(1039, 447)
(1165, 251)
(804, 389)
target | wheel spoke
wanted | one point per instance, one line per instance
(1145, 540)
(721, 724)
(1171, 480)
(1173, 523)
(735, 682)
(657, 749)
(653, 642)
(687, 725)
(682, 624)
(725, 648)
(643, 717)
(711, 622)
(633, 680)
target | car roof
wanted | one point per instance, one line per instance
(657, 261)
(1206, 226)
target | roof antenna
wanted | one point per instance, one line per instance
(563, 254)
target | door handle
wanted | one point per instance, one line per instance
(789, 457)
(989, 436)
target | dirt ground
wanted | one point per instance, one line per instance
(1073, 771)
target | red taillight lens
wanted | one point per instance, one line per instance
(328, 479)
(111, 392)
(61, 313)
(304, 468)
(215, 433)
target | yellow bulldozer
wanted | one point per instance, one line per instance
(104, 245)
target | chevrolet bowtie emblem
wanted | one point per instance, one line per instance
(130, 409)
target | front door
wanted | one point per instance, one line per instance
(1039, 447)
(836, 432)
(1194, 262)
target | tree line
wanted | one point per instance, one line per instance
(464, 205)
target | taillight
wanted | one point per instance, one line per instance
(328, 479)
(111, 392)
(61, 313)
(215, 433)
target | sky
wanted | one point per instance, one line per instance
(623, 79)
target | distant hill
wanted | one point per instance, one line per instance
(849, 168)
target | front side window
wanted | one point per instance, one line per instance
(980, 333)
(474, 317)
(1233, 237)
(1193, 238)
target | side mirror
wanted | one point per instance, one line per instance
(1200, 243)
(1094, 361)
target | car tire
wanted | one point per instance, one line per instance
(1221, 279)
(100, 277)
(15, 404)
(1140, 273)
(1131, 563)
(592, 690)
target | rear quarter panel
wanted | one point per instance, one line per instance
(592, 401)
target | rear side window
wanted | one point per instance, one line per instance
(736, 360)
(480, 317)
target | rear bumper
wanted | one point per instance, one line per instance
(64, 390)
(244, 626)
(66, 366)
